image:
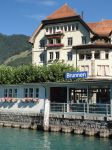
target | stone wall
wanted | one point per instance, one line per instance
(22, 120)
(91, 125)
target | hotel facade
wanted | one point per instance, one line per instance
(65, 37)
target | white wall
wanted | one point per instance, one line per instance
(77, 39)
(20, 106)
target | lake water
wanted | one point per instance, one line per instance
(20, 139)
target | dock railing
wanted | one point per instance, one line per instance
(81, 108)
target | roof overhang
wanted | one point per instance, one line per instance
(87, 46)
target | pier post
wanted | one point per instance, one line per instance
(46, 115)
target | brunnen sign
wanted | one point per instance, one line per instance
(74, 75)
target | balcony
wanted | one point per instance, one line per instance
(54, 45)
(54, 34)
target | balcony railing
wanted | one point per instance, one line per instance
(54, 45)
(81, 108)
(54, 33)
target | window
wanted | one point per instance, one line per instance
(30, 92)
(50, 41)
(73, 27)
(84, 39)
(69, 28)
(88, 55)
(46, 29)
(85, 68)
(51, 55)
(106, 55)
(54, 30)
(42, 57)
(70, 41)
(57, 55)
(97, 55)
(77, 26)
(65, 27)
(57, 27)
(103, 70)
(15, 93)
(69, 55)
(25, 92)
(5, 93)
(37, 92)
(81, 56)
(50, 30)
(61, 28)
(58, 41)
(42, 43)
(10, 93)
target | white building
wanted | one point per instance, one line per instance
(64, 36)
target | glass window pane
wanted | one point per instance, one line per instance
(81, 56)
(37, 92)
(88, 56)
(10, 92)
(25, 92)
(15, 93)
(97, 55)
(30, 92)
(69, 55)
(5, 93)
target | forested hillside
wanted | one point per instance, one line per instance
(15, 50)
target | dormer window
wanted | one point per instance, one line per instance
(69, 27)
(97, 55)
(73, 27)
(65, 28)
(57, 27)
(50, 30)
(77, 26)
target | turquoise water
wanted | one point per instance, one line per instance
(20, 139)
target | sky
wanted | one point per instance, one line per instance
(24, 16)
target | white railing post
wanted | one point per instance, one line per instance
(87, 108)
(106, 109)
(84, 109)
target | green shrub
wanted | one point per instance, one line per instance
(37, 74)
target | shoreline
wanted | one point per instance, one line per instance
(59, 123)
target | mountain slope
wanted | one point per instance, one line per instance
(15, 50)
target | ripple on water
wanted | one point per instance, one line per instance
(20, 139)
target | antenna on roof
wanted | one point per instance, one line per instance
(82, 15)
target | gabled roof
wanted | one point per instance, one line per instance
(102, 28)
(63, 12)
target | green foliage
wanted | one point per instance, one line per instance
(31, 74)
(6, 74)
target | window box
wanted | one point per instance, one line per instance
(8, 99)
